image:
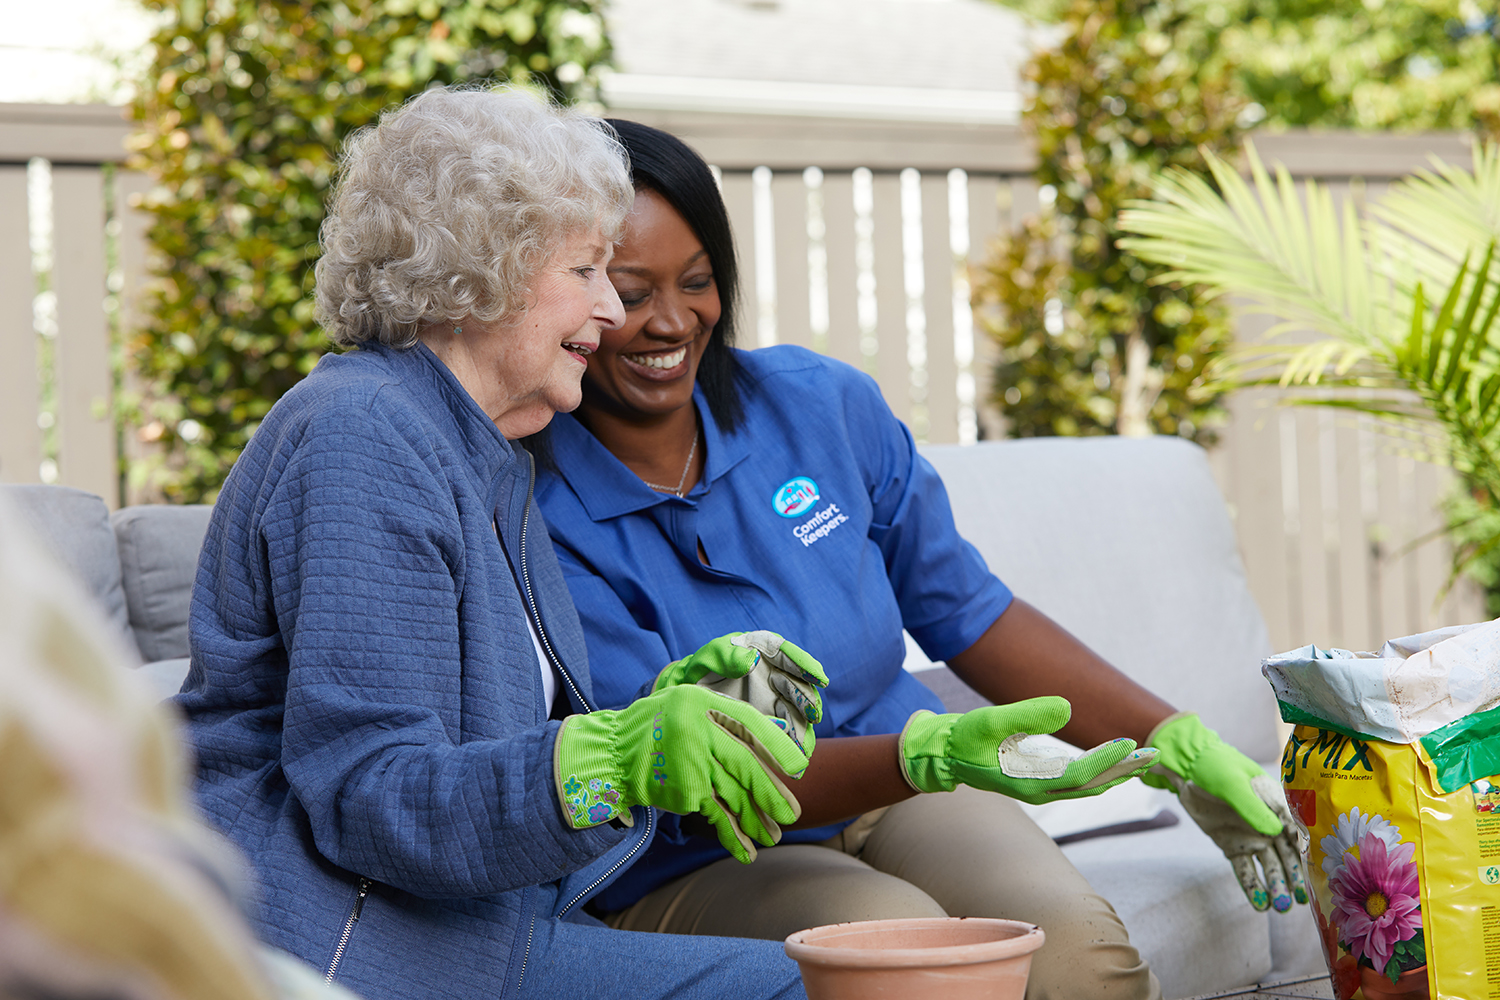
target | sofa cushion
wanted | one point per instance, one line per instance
(165, 677)
(74, 526)
(1126, 543)
(159, 547)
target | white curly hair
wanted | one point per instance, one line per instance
(447, 207)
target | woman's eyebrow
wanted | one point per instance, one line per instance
(631, 269)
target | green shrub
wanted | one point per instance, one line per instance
(241, 118)
(1088, 343)
(1403, 65)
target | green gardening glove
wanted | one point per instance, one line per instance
(772, 674)
(685, 750)
(984, 748)
(1236, 803)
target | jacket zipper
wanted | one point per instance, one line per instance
(530, 933)
(556, 661)
(536, 618)
(338, 952)
(536, 615)
(645, 839)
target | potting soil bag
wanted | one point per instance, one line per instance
(1393, 771)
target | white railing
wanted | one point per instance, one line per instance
(853, 238)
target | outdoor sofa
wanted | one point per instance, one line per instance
(1126, 542)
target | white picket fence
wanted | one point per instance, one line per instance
(853, 238)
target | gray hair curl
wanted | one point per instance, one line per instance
(448, 206)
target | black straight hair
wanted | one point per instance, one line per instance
(661, 162)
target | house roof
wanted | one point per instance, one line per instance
(952, 59)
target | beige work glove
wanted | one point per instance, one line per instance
(1244, 845)
(773, 675)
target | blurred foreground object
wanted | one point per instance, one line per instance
(109, 885)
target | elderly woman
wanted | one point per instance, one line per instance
(389, 697)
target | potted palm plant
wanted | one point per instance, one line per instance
(1389, 311)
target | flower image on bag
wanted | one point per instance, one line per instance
(1351, 828)
(1377, 905)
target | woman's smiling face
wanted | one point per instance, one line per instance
(666, 284)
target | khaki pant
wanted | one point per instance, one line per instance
(963, 853)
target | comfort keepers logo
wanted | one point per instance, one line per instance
(795, 497)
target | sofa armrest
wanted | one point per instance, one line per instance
(74, 526)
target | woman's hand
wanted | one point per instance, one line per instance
(1237, 804)
(686, 750)
(985, 749)
(769, 673)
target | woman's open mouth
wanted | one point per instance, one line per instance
(658, 366)
(579, 351)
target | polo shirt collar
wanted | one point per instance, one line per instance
(607, 489)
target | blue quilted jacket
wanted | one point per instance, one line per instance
(365, 701)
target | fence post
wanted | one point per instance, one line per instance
(20, 439)
(937, 305)
(85, 422)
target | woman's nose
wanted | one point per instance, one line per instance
(610, 312)
(671, 317)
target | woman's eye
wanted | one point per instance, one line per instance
(628, 299)
(699, 284)
(586, 272)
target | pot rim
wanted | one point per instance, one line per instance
(1026, 939)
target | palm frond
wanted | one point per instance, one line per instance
(1310, 267)
(1446, 210)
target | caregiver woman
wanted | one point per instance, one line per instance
(389, 696)
(697, 484)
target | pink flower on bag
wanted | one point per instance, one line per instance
(1376, 899)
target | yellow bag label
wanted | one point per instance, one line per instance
(1405, 879)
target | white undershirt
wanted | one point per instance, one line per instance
(549, 672)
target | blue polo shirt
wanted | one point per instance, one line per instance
(820, 522)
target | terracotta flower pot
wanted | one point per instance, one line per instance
(1411, 986)
(957, 958)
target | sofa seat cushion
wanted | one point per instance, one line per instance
(158, 546)
(74, 526)
(1182, 905)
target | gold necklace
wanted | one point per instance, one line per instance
(677, 490)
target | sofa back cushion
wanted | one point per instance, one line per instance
(74, 526)
(1127, 544)
(159, 547)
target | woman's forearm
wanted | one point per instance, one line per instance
(848, 776)
(1025, 654)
